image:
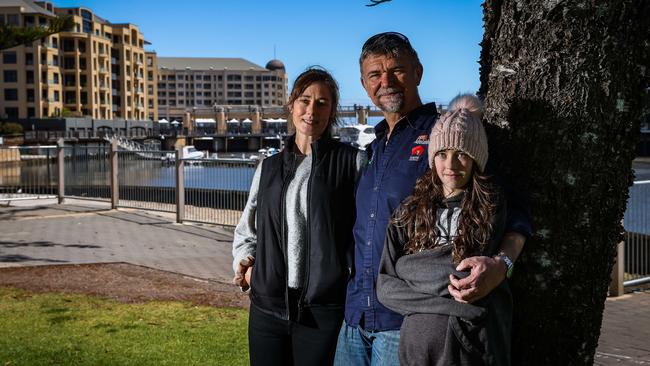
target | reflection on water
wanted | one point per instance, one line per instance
(95, 171)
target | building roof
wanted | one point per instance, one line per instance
(275, 65)
(207, 63)
(27, 6)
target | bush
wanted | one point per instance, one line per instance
(9, 128)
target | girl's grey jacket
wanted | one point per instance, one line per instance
(415, 285)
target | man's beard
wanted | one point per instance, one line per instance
(390, 104)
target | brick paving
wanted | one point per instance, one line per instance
(92, 233)
(86, 232)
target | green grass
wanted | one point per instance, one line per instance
(63, 329)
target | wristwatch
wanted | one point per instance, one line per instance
(509, 264)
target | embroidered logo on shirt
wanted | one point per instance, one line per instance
(422, 140)
(416, 153)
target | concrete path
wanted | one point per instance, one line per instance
(88, 232)
(84, 232)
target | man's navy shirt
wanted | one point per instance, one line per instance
(395, 165)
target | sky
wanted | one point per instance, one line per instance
(445, 33)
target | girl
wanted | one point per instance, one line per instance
(455, 212)
(293, 244)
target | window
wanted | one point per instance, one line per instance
(56, 96)
(11, 94)
(31, 112)
(12, 112)
(29, 59)
(29, 75)
(13, 19)
(9, 57)
(30, 95)
(68, 45)
(68, 63)
(10, 76)
(70, 97)
(69, 80)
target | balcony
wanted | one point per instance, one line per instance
(103, 70)
(52, 82)
(103, 86)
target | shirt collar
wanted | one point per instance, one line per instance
(428, 110)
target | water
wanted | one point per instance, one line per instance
(149, 173)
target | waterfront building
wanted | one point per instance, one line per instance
(186, 85)
(97, 69)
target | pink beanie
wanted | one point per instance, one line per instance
(460, 128)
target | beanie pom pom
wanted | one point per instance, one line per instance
(469, 102)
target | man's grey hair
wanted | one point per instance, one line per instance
(390, 44)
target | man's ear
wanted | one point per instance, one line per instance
(419, 70)
(363, 84)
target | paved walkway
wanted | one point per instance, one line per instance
(88, 232)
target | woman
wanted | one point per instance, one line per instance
(293, 245)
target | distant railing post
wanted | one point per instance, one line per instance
(616, 287)
(60, 156)
(115, 188)
(180, 186)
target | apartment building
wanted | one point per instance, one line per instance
(98, 69)
(188, 84)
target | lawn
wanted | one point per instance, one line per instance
(64, 329)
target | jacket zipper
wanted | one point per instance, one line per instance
(285, 244)
(301, 299)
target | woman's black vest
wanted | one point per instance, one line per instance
(330, 218)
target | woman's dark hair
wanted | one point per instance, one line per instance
(418, 214)
(316, 74)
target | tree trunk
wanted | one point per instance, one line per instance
(565, 84)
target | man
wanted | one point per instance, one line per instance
(391, 73)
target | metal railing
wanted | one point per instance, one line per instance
(87, 172)
(637, 235)
(28, 172)
(216, 191)
(205, 190)
(145, 182)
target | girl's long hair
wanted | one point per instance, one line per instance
(418, 214)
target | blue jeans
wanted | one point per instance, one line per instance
(357, 347)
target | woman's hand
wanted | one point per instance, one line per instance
(243, 273)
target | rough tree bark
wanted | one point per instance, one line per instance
(565, 84)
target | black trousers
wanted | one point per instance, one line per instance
(312, 341)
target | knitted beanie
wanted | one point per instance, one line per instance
(460, 128)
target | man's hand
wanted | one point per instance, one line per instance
(243, 273)
(485, 274)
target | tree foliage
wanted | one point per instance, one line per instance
(10, 128)
(12, 36)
